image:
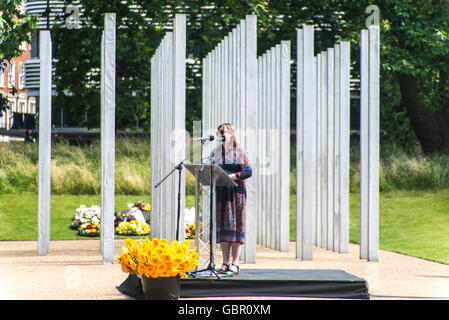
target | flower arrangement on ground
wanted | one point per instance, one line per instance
(189, 220)
(133, 228)
(129, 222)
(190, 230)
(132, 222)
(141, 205)
(157, 258)
(129, 215)
(87, 221)
(89, 229)
(134, 212)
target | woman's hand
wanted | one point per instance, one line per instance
(233, 176)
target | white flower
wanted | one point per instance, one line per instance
(189, 216)
(136, 214)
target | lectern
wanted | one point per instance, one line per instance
(208, 175)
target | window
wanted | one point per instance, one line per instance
(21, 75)
(11, 74)
(3, 116)
(22, 108)
(2, 78)
(12, 106)
(32, 107)
(10, 120)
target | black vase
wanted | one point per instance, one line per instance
(132, 287)
(163, 288)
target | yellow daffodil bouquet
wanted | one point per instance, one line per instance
(157, 258)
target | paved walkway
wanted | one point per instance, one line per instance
(74, 270)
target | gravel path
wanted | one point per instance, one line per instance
(74, 270)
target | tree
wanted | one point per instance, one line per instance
(414, 62)
(421, 64)
(141, 26)
(414, 54)
(15, 28)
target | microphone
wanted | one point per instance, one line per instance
(208, 138)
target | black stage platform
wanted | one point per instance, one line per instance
(278, 283)
(265, 282)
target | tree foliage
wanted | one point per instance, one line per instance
(15, 28)
(142, 25)
(414, 68)
(414, 54)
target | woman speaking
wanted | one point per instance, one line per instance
(231, 201)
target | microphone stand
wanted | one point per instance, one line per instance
(211, 266)
(179, 167)
(210, 158)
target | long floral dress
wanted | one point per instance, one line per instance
(231, 201)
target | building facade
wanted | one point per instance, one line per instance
(22, 108)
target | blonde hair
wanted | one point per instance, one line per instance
(231, 129)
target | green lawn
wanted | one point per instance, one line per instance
(415, 223)
(18, 214)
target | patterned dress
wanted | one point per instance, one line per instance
(231, 201)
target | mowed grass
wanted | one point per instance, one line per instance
(19, 214)
(414, 223)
